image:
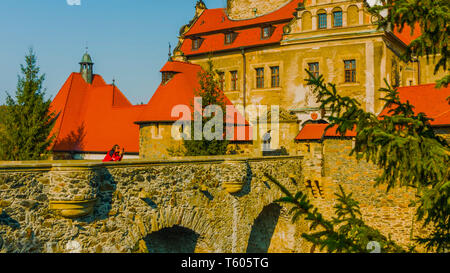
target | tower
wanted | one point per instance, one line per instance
(86, 68)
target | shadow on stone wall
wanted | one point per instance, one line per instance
(248, 182)
(172, 240)
(263, 229)
(6, 220)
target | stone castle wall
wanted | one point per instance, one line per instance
(186, 205)
(98, 207)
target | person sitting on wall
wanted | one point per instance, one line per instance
(115, 154)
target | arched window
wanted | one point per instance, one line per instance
(337, 17)
(306, 21)
(322, 19)
(352, 16)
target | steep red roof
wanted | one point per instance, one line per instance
(213, 20)
(180, 90)
(94, 117)
(213, 23)
(244, 38)
(429, 100)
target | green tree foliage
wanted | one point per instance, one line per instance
(211, 94)
(345, 233)
(404, 146)
(409, 154)
(431, 16)
(27, 120)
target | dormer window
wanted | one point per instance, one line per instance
(266, 32)
(167, 76)
(229, 37)
(196, 43)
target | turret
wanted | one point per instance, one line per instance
(86, 68)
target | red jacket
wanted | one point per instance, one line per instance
(112, 156)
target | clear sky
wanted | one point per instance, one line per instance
(127, 40)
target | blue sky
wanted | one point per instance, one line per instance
(127, 39)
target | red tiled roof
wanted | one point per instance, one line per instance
(405, 36)
(332, 132)
(213, 20)
(94, 117)
(180, 90)
(212, 24)
(244, 38)
(314, 131)
(429, 100)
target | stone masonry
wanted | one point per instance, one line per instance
(204, 204)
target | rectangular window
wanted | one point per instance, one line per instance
(196, 44)
(234, 80)
(337, 19)
(167, 76)
(322, 20)
(229, 38)
(266, 32)
(221, 80)
(314, 69)
(275, 72)
(350, 70)
(260, 77)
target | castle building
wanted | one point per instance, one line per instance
(92, 116)
(262, 50)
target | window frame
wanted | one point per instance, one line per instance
(231, 36)
(275, 77)
(167, 76)
(259, 77)
(234, 79)
(221, 75)
(340, 18)
(350, 71)
(269, 34)
(324, 16)
(314, 71)
(196, 43)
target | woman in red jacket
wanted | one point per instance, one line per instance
(115, 154)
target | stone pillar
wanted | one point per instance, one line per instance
(361, 15)
(344, 18)
(370, 81)
(314, 22)
(329, 19)
(73, 190)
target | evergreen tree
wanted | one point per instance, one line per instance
(403, 144)
(211, 94)
(409, 154)
(432, 17)
(27, 120)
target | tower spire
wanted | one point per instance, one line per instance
(170, 52)
(87, 67)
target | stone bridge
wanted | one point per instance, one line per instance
(186, 205)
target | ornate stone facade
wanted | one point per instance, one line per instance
(246, 9)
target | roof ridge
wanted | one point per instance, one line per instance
(65, 107)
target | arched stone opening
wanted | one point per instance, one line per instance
(172, 240)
